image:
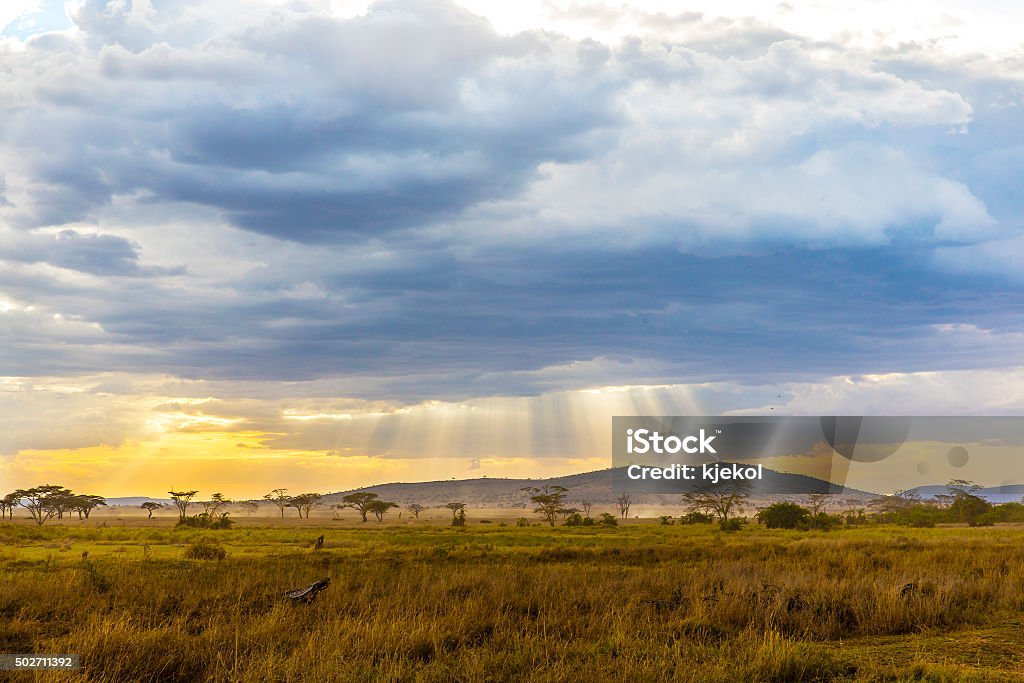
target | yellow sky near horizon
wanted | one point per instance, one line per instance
(238, 465)
(116, 435)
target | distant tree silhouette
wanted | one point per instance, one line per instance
(359, 501)
(181, 500)
(278, 497)
(85, 504)
(216, 503)
(149, 506)
(304, 502)
(550, 501)
(624, 501)
(721, 499)
(456, 508)
(7, 505)
(967, 506)
(415, 509)
(62, 501)
(42, 502)
(818, 501)
(379, 507)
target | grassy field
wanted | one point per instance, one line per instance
(421, 602)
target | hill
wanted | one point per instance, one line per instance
(593, 486)
(1009, 493)
(135, 501)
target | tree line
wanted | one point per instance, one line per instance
(47, 501)
(960, 504)
(722, 503)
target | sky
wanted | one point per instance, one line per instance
(321, 245)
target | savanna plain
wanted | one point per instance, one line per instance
(492, 601)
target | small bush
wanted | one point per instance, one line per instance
(575, 519)
(823, 522)
(696, 518)
(523, 521)
(205, 521)
(986, 519)
(731, 525)
(667, 520)
(205, 549)
(608, 519)
(784, 515)
(588, 521)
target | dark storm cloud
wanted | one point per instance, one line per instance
(422, 207)
(307, 127)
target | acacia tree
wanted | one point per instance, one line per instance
(967, 505)
(278, 497)
(62, 501)
(215, 504)
(149, 506)
(379, 507)
(181, 500)
(456, 508)
(550, 501)
(586, 507)
(41, 501)
(415, 509)
(85, 504)
(7, 505)
(817, 502)
(304, 502)
(250, 506)
(359, 501)
(895, 503)
(624, 501)
(721, 499)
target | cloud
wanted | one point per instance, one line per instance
(318, 129)
(413, 205)
(96, 254)
(1003, 257)
(329, 128)
(282, 417)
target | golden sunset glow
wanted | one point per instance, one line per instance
(330, 244)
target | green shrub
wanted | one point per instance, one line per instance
(987, 518)
(205, 549)
(575, 519)
(587, 521)
(205, 521)
(696, 518)
(822, 521)
(919, 518)
(783, 515)
(608, 520)
(667, 520)
(731, 525)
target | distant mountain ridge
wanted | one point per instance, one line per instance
(593, 486)
(1009, 493)
(136, 500)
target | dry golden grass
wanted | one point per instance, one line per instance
(637, 603)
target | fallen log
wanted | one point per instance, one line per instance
(308, 594)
